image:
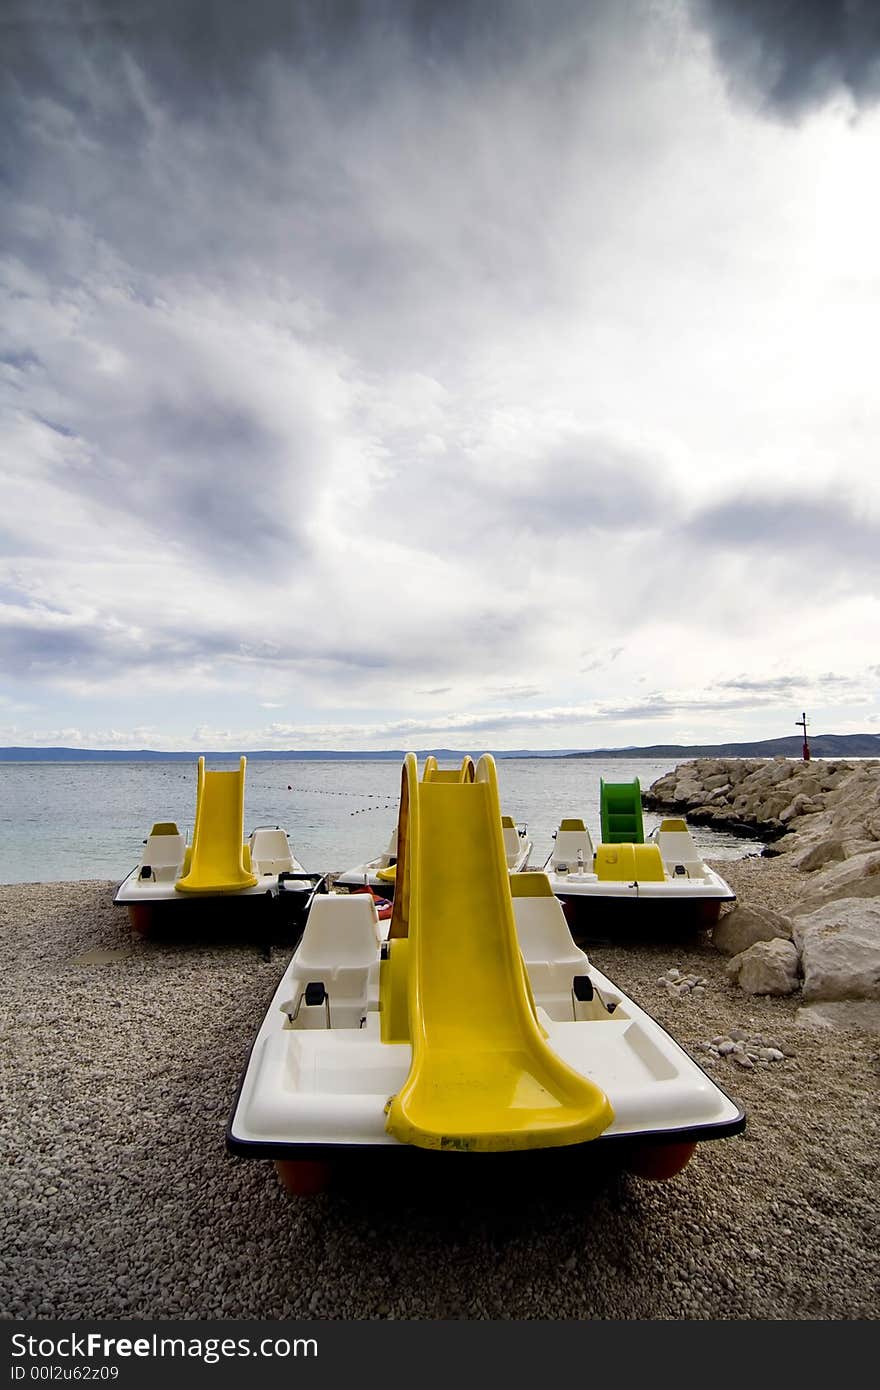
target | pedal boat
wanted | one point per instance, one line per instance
(664, 871)
(380, 874)
(219, 864)
(477, 1026)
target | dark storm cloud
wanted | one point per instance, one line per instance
(781, 685)
(790, 527)
(199, 471)
(774, 684)
(20, 361)
(796, 54)
(197, 51)
(50, 642)
(70, 648)
(56, 427)
(25, 650)
(593, 484)
(160, 155)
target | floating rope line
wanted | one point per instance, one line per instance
(326, 791)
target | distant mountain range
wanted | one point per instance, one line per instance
(129, 755)
(821, 746)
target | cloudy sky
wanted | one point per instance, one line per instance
(491, 374)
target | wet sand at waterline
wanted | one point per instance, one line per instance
(120, 1060)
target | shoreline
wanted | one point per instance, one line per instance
(120, 1065)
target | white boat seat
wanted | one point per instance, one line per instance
(163, 852)
(339, 948)
(552, 959)
(513, 844)
(677, 848)
(572, 839)
(270, 851)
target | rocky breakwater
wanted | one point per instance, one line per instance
(824, 817)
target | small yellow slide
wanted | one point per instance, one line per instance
(482, 1074)
(218, 863)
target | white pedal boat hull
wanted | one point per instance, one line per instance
(712, 888)
(667, 871)
(310, 1090)
(153, 882)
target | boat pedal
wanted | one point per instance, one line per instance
(584, 991)
(680, 871)
(313, 996)
(147, 871)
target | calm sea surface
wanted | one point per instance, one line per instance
(88, 820)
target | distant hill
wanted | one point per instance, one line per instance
(822, 746)
(130, 755)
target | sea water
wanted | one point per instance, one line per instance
(62, 821)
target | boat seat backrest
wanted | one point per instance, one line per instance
(677, 847)
(340, 935)
(552, 959)
(544, 935)
(567, 844)
(164, 854)
(512, 843)
(270, 852)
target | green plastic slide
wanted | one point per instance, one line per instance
(620, 805)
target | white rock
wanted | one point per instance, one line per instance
(818, 855)
(768, 967)
(741, 928)
(857, 877)
(840, 950)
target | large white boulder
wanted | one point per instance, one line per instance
(821, 853)
(744, 925)
(768, 967)
(840, 950)
(857, 877)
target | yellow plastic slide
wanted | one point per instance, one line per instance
(482, 1075)
(218, 861)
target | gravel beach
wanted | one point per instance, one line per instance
(120, 1060)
